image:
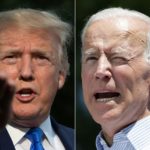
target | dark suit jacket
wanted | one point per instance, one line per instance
(65, 134)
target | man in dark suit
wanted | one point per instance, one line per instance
(33, 55)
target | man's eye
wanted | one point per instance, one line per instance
(42, 60)
(9, 56)
(119, 60)
(10, 59)
(91, 58)
(42, 57)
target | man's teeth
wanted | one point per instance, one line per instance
(106, 97)
(24, 95)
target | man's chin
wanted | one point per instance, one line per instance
(25, 120)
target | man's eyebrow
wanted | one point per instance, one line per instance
(90, 51)
(11, 51)
(49, 54)
(119, 50)
(39, 52)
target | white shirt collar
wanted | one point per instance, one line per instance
(20, 132)
(46, 127)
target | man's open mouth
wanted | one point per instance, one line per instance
(25, 94)
(106, 96)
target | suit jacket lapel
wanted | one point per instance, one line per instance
(64, 134)
(5, 141)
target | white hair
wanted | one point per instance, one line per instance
(119, 12)
(37, 19)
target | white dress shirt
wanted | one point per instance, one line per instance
(51, 140)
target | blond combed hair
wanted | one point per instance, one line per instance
(39, 19)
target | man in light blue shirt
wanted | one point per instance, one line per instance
(116, 77)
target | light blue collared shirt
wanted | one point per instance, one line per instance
(134, 137)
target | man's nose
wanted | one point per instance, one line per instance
(103, 70)
(26, 69)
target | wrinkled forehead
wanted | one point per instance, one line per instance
(15, 35)
(116, 28)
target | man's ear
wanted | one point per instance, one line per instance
(62, 78)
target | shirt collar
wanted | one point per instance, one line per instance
(140, 133)
(136, 133)
(46, 127)
(120, 136)
(17, 134)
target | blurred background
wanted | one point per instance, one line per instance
(63, 107)
(86, 128)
